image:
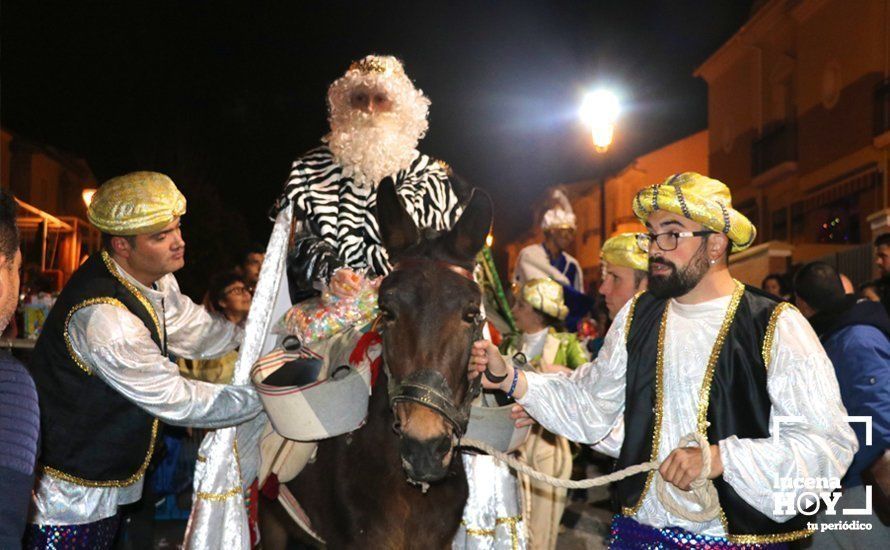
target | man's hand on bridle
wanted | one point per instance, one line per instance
(484, 355)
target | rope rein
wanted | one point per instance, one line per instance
(702, 492)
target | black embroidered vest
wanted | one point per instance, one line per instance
(738, 404)
(90, 434)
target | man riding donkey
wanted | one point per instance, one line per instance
(326, 238)
(699, 353)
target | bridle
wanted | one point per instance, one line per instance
(428, 387)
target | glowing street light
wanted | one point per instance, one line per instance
(599, 111)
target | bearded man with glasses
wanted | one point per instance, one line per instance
(699, 352)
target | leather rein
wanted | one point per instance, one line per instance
(428, 387)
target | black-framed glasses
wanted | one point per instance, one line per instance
(668, 240)
(240, 290)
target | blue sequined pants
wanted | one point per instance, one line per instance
(627, 534)
(98, 535)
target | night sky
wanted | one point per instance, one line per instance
(226, 94)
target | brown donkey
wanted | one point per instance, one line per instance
(398, 481)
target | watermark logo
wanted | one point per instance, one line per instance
(805, 495)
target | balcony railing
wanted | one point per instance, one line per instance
(882, 108)
(777, 145)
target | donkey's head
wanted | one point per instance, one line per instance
(431, 314)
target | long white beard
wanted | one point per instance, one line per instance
(372, 147)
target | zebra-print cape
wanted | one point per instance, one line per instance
(332, 207)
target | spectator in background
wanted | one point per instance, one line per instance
(775, 284)
(856, 337)
(228, 296)
(882, 260)
(870, 290)
(19, 413)
(251, 263)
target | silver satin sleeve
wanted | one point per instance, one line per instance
(818, 443)
(119, 349)
(585, 406)
(611, 444)
(192, 332)
(58, 502)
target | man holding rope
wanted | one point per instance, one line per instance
(699, 354)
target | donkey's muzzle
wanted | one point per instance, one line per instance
(426, 460)
(429, 388)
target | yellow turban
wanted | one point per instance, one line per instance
(624, 250)
(545, 295)
(136, 203)
(700, 199)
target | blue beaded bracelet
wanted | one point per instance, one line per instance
(515, 379)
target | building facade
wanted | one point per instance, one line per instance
(49, 185)
(799, 128)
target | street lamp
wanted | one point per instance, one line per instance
(599, 111)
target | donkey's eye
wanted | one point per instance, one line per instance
(386, 314)
(471, 315)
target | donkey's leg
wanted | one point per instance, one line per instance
(277, 528)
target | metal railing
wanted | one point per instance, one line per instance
(775, 146)
(856, 263)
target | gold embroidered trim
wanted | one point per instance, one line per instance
(512, 521)
(704, 393)
(630, 315)
(776, 538)
(86, 303)
(659, 401)
(704, 403)
(219, 496)
(481, 532)
(113, 483)
(109, 264)
(706, 384)
(771, 332)
(235, 491)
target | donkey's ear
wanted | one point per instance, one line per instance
(467, 237)
(397, 229)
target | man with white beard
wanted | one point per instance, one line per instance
(377, 117)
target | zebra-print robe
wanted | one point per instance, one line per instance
(338, 224)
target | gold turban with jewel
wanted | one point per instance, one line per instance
(545, 295)
(700, 199)
(624, 250)
(135, 204)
